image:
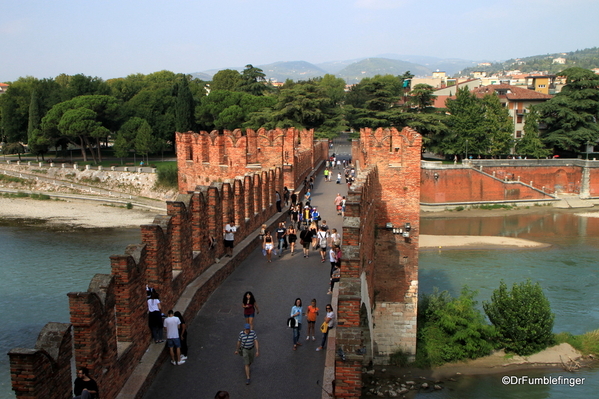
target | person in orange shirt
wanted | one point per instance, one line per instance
(311, 316)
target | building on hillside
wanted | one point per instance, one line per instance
(541, 83)
(450, 92)
(3, 88)
(559, 60)
(517, 100)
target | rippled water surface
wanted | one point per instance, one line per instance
(38, 267)
(567, 271)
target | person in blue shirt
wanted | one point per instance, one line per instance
(297, 313)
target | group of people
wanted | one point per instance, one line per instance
(174, 323)
(311, 314)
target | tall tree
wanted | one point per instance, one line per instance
(421, 97)
(466, 132)
(227, 79)
(253, 80)
(184, 105)
(571, 116)
(498, 125)
(530, 145)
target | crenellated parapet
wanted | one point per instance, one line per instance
(204, 157)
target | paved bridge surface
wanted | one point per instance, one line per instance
(279, 371)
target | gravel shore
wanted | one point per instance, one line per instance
(75, 213)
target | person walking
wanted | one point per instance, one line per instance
(297, 313)
(326, 174)
(173, 342)
(322, 236)
(337, 202)
(268, 245)
(281, 234)
(306, 240)
(230, 230)
(182, 335)
(250, 308)
(314, 230)
(278, 201)
(329, 319)
(311, 315)
(248, 348)
(292, 237)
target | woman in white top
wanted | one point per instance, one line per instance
(330, 320)
(155, 317)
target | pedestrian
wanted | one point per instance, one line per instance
(326, 174)
(294, 198)
(315, 216)
(295, 215)
(262, 233)
(268, 245)
(337, 202)
(335, 276)
(230, 230)
(338, 164)
(325, 226)
(306, 215)
(155, 317)
(306, 240)
(338, 255)
(329, 319)
(85, 386)
(286, 195)
(292, 237)
(281, 233)
(248, 348)
(312, 182)
(322, 236)
(278, 201)
(307, 196)
(173, 342)
(314, 230)
(182, 335)
(339, 178)
(332, 258)
(297, 312)
(311, 315)
(335, 238)
(343, 202)
(250, 308)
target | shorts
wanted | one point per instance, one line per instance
(248, 355)
(249, 315)
(228, 244)
(268, 247)
(306, 244)
(311, 322)
(173, 342)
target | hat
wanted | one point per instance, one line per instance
(247, 326)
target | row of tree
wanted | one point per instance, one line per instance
(141, 112)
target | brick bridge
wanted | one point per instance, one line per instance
(235, 174)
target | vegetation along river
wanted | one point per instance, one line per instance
(567, 271)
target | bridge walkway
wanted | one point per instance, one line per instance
(279, 371)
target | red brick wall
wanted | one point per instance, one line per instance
(109, 320)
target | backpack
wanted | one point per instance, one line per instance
(322, 239)
(291, 322)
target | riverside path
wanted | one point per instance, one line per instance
(279, 371)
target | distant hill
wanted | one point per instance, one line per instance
(587, 58)
(296, 70)
(448, 65)
(369, 67)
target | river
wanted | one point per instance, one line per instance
(38, 267)
(567, 272)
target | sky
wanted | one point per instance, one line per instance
(116, 38)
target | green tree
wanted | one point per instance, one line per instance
(227, 79)
(571, 116)
(253, 81)
(530, 145)
(144, 141)
(498, 125)
(466, 132)
(230, 110)
(421, 97)
(451, 329)
(184, 105)
(522, 317)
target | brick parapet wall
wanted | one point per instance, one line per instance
(50, 361)
(110, 326)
